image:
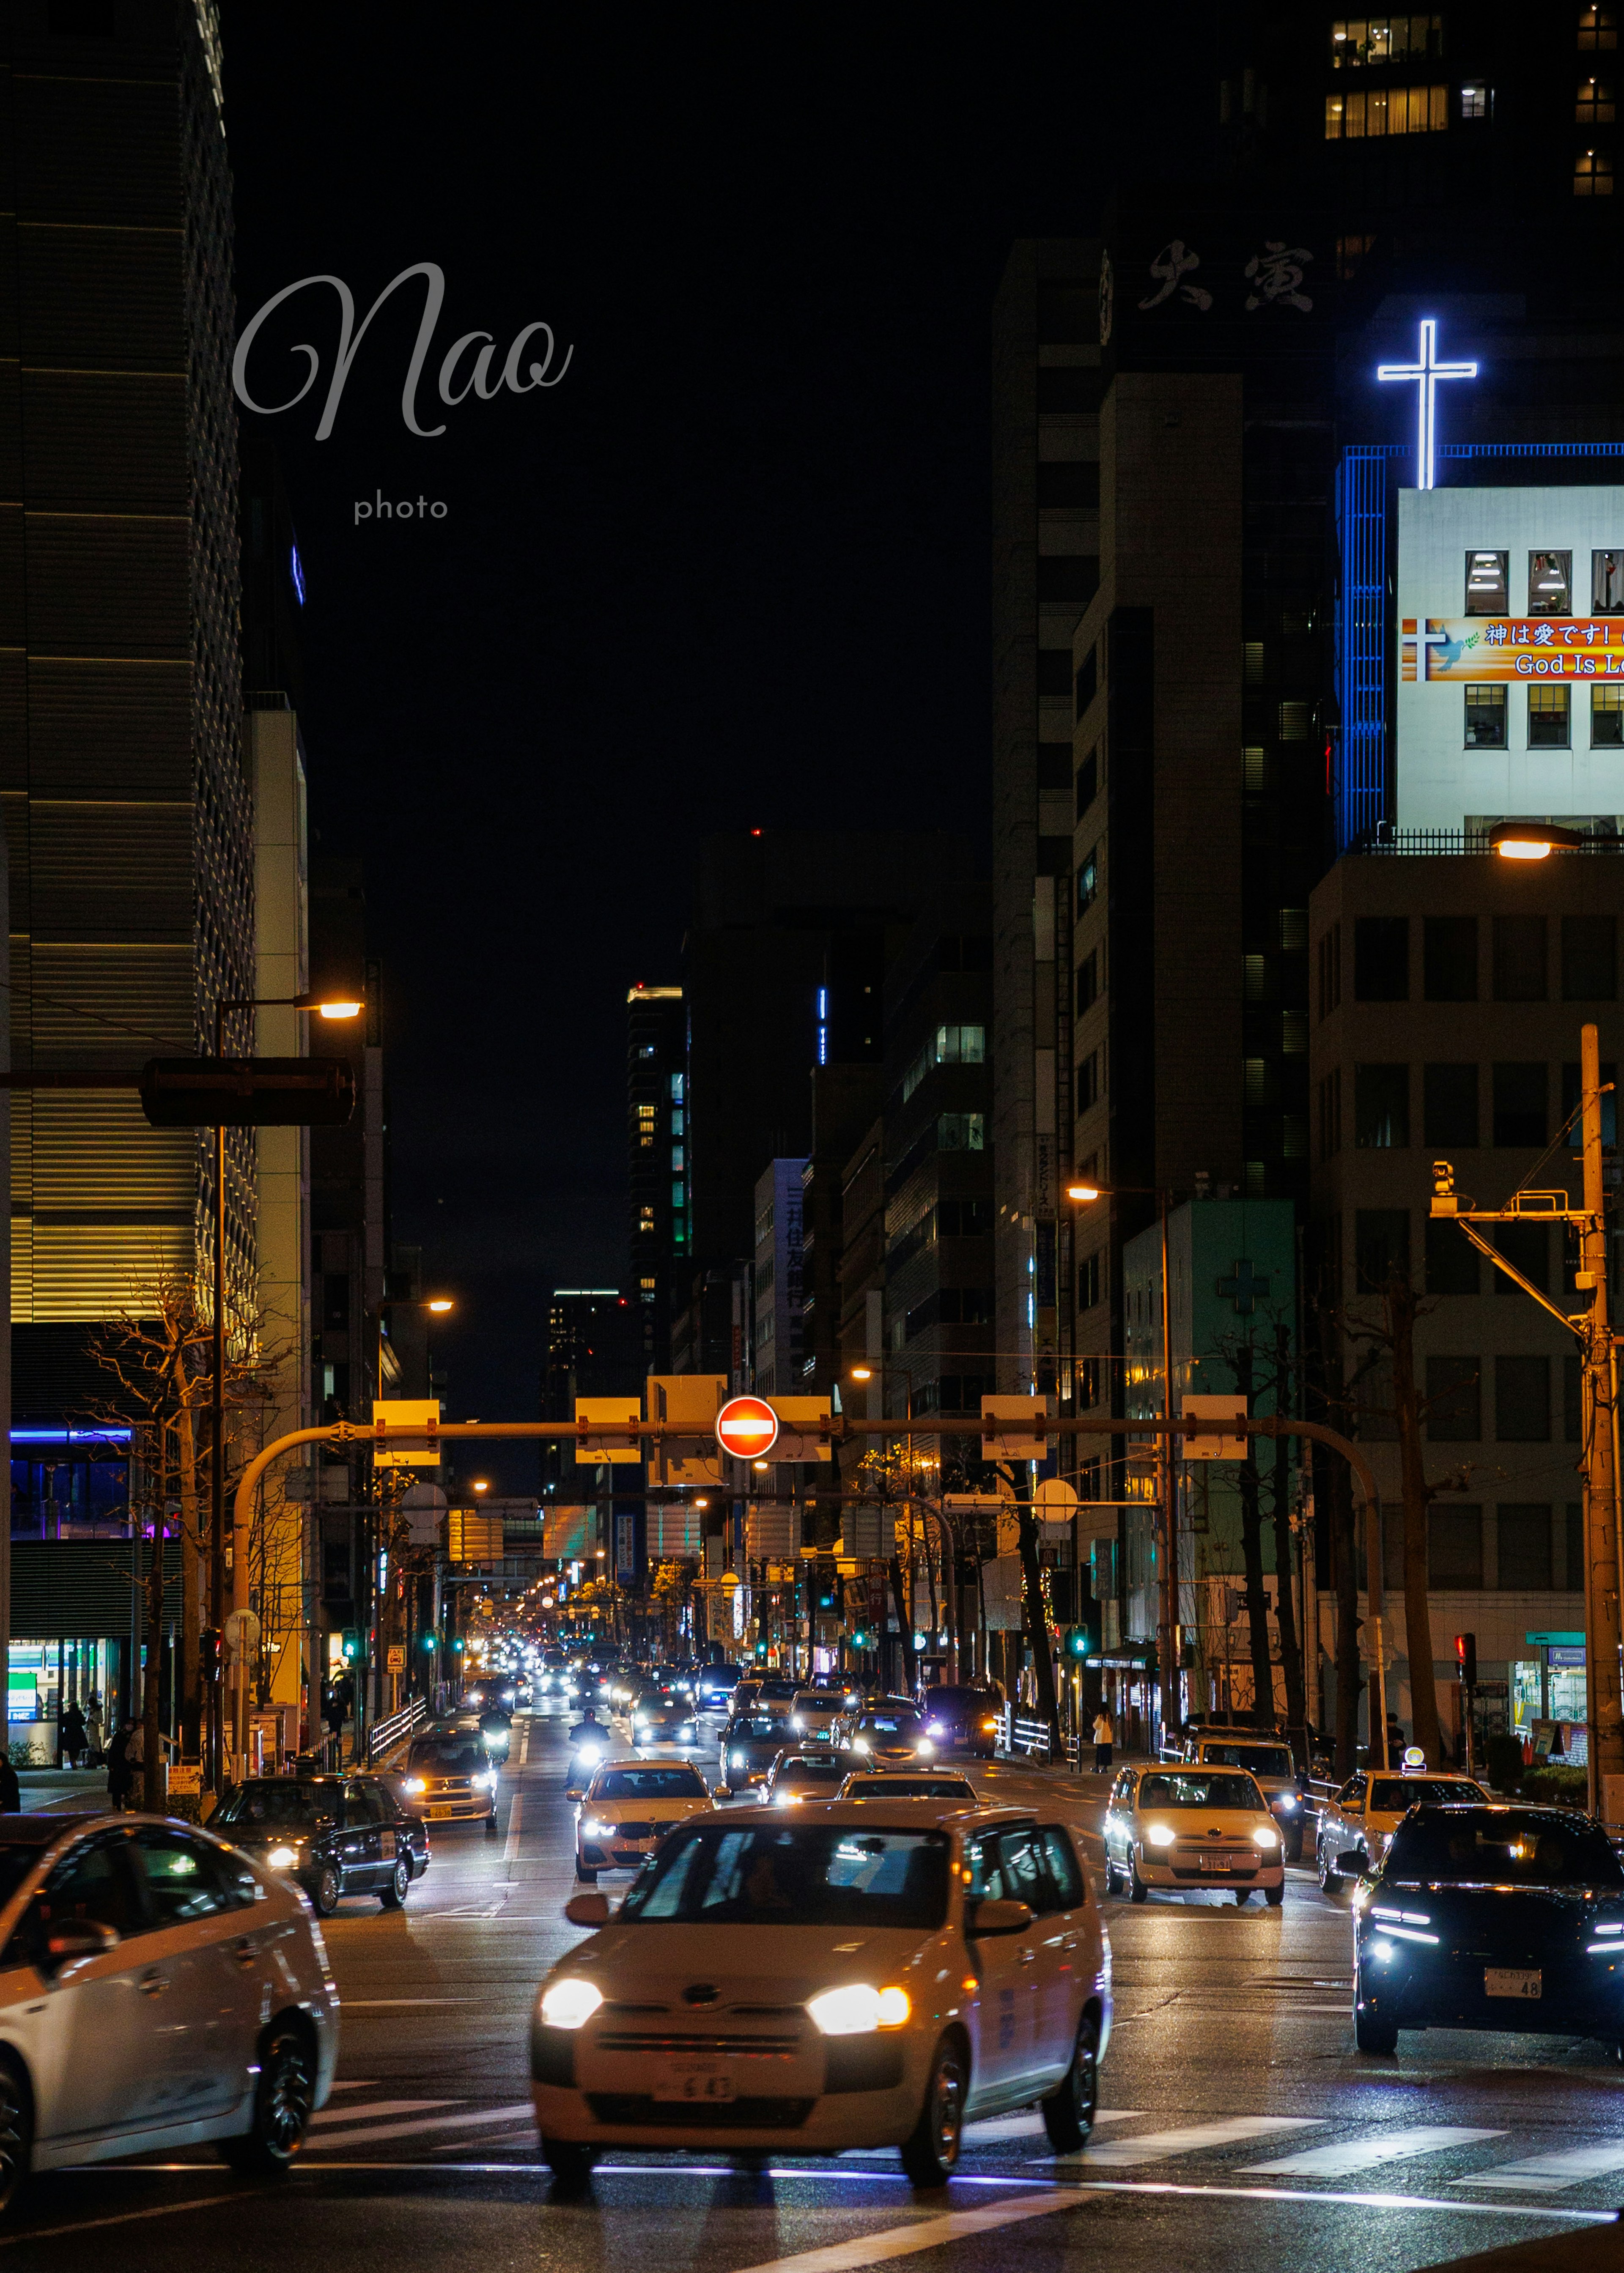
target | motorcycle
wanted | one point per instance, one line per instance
(585, 1759)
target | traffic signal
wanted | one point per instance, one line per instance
(1466, 1659)
(351, 1644)
(431, 1641)
(1077, 1643)
(208, 1652)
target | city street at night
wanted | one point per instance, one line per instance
(1236, 2120)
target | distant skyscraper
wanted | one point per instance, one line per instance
(593, 1348)
(657, 1159)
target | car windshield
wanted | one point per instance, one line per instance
(447, 1756)
(812, 1772)
(1261, 1759)
(817, 1701)
(823, 1876)
(958, 1701)
(277, 1803)
(890, 1724)
(760, 1724)
(1199, 1790)
(650, 1783)
(1502, 1846)
(1392, 1794)
(911, 1788)
(15, 1864)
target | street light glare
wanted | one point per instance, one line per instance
(1082, 1191)
(339, 1009)
(442, 1302)
(863, 1373)
(1532, 840)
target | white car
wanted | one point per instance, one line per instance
(829, 1976)
(813, 1712)
(1356, 1827)
(628, 1807)
(1186, 1830)
(158, 1989)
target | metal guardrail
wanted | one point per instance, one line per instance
(383, 1736)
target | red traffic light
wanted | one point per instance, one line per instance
(1466, 1658)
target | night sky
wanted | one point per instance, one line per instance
(732, 572)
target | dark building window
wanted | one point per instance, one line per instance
(1449, 958)
(1331, 1114)
(1451, 1258)
(1088, 982)
(1548, 709)
(1088, 780)
(1573, 1526)
(1573, 1401)
(1380, 1106)
(1589, 959)
(1380, 1247)
(1523, 1400)
(1074, 482)
(336, 1301)
(1054, 670)
(1088, 1082)
(1455, 1546)
(1449, 1105)
(1454, 1399)
(1486, 717)
(1090, 1280)
(1087, 680)
(1527, 1248)
(1381, 959)
(1329, 955)
(1520, 958)
(1525, 1544)
(1519, 1105)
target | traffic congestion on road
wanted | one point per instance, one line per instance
(761, 1968)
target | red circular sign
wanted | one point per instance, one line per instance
(747, 1426)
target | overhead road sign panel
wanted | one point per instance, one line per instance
(595, 1448)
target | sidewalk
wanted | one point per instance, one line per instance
(63, 1791)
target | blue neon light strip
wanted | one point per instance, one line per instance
(71, 1435)
(1360, 774)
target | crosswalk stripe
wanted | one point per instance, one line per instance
(925, 2234)
(343, 2141)
(1548, 2174)
(1190, 2139)
(350, 2113)
(1346, 2156)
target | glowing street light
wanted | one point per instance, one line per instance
(1532, 840)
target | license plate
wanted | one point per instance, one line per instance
(434, 1812)
(1510, 1981)
(696, 2080)
(1214, 1862)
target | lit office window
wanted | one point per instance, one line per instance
(1607, 718)
(1607, 583)
(1357, 41)
(1598, 28)
(1547, 719)
(1593, 105)
(1549, 583)
(1477, 99)
(1485, 584)
(1593, 175)
(1486, 717)
(1360, 116)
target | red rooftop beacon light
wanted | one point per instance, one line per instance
(747, 1426)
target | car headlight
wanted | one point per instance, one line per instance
(861, 1744)
(858, 2011)
(738, 1761)
(1264, 1835)
(591, 1828)
(282, 1859)
(785, 1799)
(570, 2004)
(488, 1783)
(1286, 1803)
(687, 1730)
(591, 1754)
(797, 1725)
(643, 1728)
(415, 1783)
(1160, 1834)
(924, 1748)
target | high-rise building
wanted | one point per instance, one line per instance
(775, 1290)
(657, 1160)
(127, 792)
(593, 1348)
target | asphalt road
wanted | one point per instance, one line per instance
(1239, 2126)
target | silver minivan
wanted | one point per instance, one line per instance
(158, 1989)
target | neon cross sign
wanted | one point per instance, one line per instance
(1424, 374)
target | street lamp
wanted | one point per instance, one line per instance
(325, 1006)
(440, 1303)
(1532, 840)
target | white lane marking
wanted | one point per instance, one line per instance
(1347, 2156)
(514, 1814)
(1550, 2173)
(1025, 2127)
(496, 2139)
(345, 2140)
(524, 1743)
(1191, 2138)
(924, 2233)
(119, 2218)
(352, 2114)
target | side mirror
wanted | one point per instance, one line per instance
(999, 1917)
(587, 1909)
(722, 1791)
(574, 1791)
(70, 1945)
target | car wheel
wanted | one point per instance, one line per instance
(394, 1896)
(1242, 1895)
(570, 2162)
(283, 2098)
(930, 2154)
(587, 1877)
(1138, 1891)
(1275, 1895)
(1068, 2113)
(1330, 1877)
(15, 2134)
(1372, 2034)
(326, 1892)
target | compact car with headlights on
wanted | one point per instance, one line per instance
(1187, 1829)
(159, 1990)
(890, 1738)
(1501, 1919)
(451, 1778)
(813, 1713)
(798, 1776)
(1273, 1770)
(962, 1720)
(663, 1718)
(1356, 1827)
(826, 1977)
(750, 1744)
(335, 1836)
(628, 1807)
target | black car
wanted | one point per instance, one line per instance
(750, 1744)
(1505, 1918)
(714, 1685)
(962, 1720)
(336, 1836)
(498, 1691)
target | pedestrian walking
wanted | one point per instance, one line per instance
(11, 1791)
(74, 1734)
(120, 1768)
(95, 1734)
(1104, 1737)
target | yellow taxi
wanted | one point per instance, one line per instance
(1356, 1827)
(1186, 1830)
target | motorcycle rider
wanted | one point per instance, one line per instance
(589, 1738)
